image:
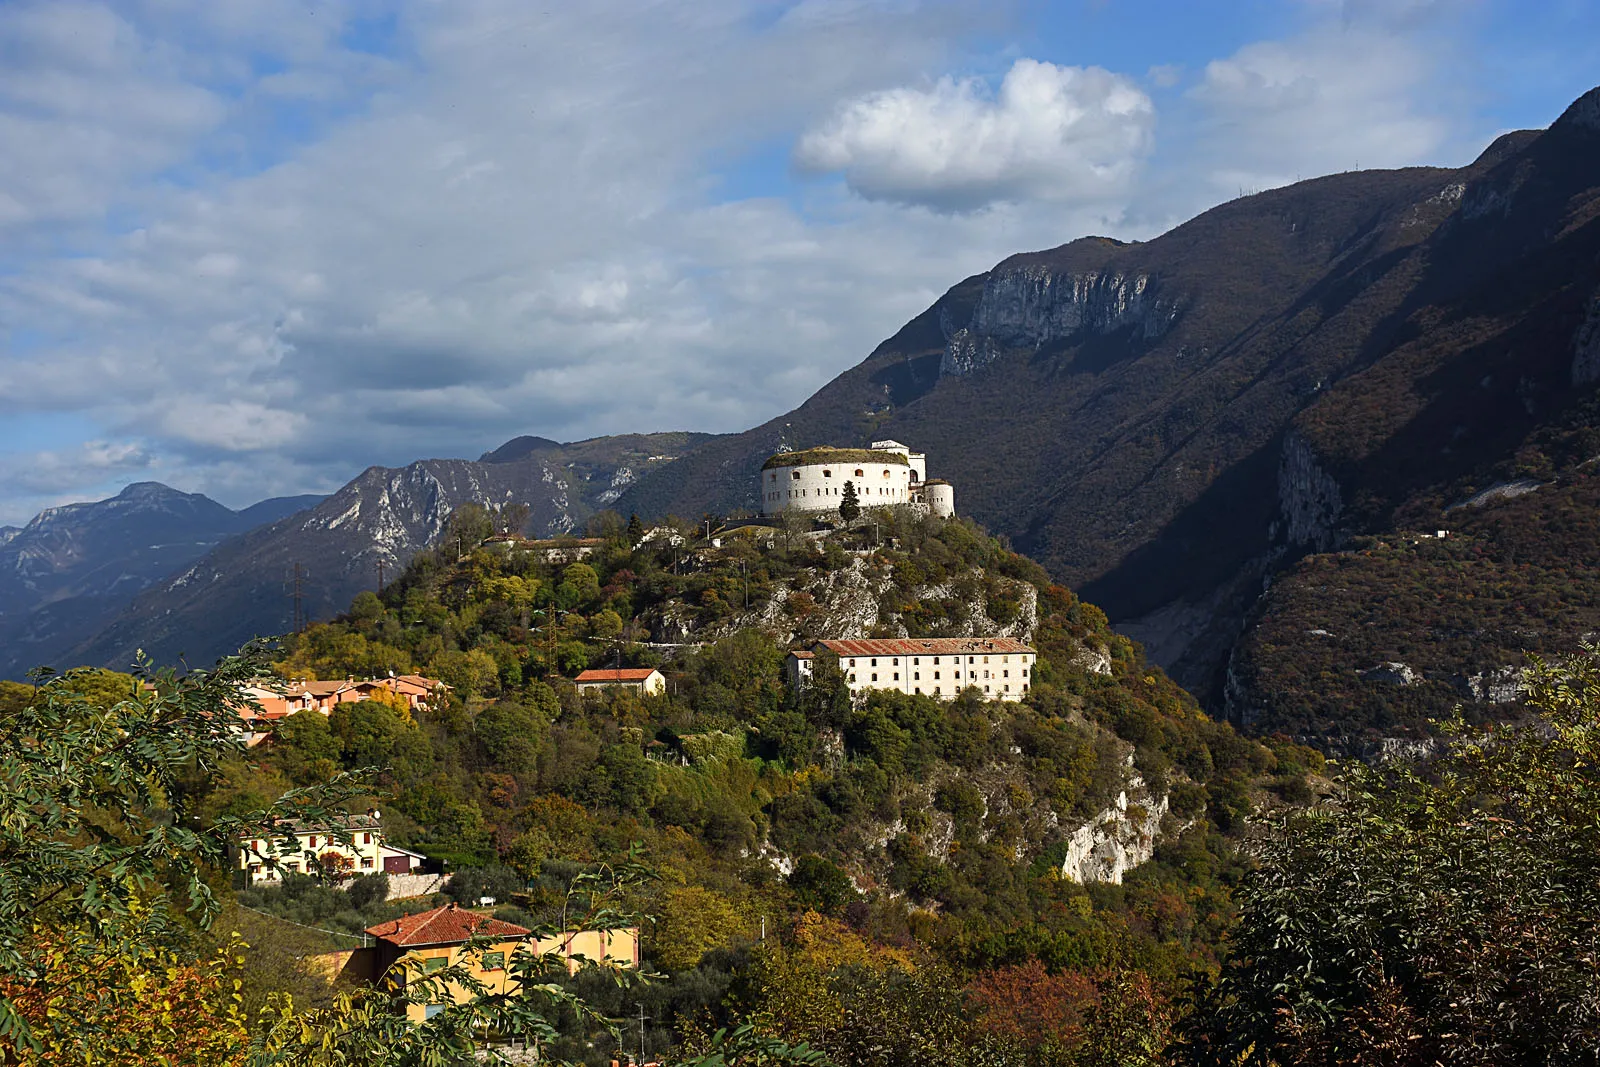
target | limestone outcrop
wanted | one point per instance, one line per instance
(1031, 306)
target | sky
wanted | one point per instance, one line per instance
(250, 248)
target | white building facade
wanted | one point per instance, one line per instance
(1001, 668)
(885, 475)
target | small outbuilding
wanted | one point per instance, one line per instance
(639, 679)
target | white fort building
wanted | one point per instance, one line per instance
(885, 475)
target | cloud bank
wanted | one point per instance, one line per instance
(256, 247)
(1049, 133)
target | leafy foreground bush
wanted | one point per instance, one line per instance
(1444, 913)
(107, 901)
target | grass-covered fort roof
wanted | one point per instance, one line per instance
(808, 456)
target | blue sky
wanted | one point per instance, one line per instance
(249, 248)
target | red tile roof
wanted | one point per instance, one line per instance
(925, 646)
(448, 925)
(803, 655)
(626, 674)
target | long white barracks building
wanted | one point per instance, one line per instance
(999, 667)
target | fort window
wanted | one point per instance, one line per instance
(858, 472)
(936, 676)
(797, 476)
(874, 662)
(897, 676)
(1005, 674)
(827, 474)
(916, 676)
(874, 677)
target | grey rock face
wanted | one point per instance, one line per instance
(1586, 346)
(1030, 306)
(1502, 685)
(1308, 496)
(1392, 673)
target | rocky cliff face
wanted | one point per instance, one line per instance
(1116, 840)
(1032, 305)
(1308, 496)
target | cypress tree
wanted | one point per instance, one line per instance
(849, 506)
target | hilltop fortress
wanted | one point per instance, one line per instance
(888, 474)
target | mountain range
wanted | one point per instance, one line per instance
(1178, 428)
(63, 575)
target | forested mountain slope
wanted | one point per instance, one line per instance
(1165, 424)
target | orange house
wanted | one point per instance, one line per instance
(435, 940)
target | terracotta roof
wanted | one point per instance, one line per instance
(626, 674)
(925, 646)
(803, 655)
(448, 925)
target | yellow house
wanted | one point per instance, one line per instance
(316, 847)
(435, 940)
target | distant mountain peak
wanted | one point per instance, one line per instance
(519, 448)
(1583, 114)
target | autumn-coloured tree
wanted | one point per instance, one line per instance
(1031, 1007)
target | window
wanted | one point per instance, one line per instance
(1008, 689)
(874, 661)
(774, 475)
(797, 476)
(292, 868)
(366, 861)
(936, 676)
(916, 676)
(874, 677)
(312, 841)
(1005, 674)
(897, 676)
(852, 663)
(858, 472)
(886, 474)
(971, 660)
(985, 689)
(852, 679)
(919, 690)
(827, 474)
(494, 961)
(366, 839)
(916, 661)
(936, 661)
(434, 964)
(431, 1010)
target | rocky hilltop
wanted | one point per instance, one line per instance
(1168, 424)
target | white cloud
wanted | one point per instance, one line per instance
(1339, 97)
(1049, 133)
(54, 476)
